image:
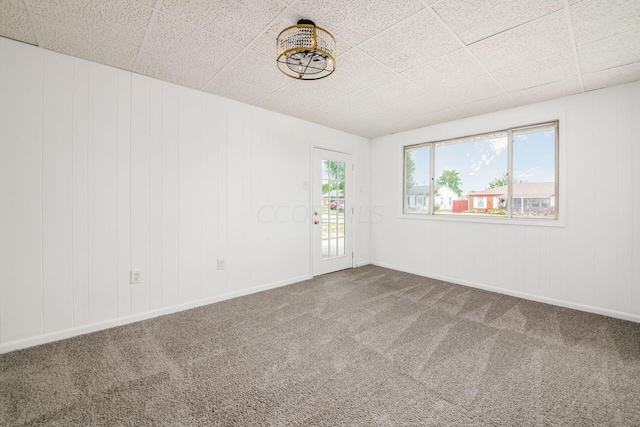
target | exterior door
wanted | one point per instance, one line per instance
(332, 211)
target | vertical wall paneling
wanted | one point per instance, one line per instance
(140, 155)
(124, 192)
(21, 194)
(624, 206)
(80, 192)
(505, 257)
(605, 201)
(558, 252)
(170, 195)
(253, 154)
(190, 192)
(102, 190)
(155, 195)
(493, 247)
(530, 251)
(480, 273)
(103, 171)
(467, 246)
(235, 195)
(635, 189)
(453, 240)
(581, 200)
(433, 260)
(543, 261)
(518, 247)
(57, 202)
(222, 200)
(210, 141)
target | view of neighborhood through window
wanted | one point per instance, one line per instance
(333, 208)
(471, 175)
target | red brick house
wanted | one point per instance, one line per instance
(529, 198)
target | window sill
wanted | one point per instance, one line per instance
(485, 219)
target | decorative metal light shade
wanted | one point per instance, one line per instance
(305, 52)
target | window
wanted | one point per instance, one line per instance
(511, 173)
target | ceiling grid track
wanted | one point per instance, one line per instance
(572, 37)
(152, 20)
(466, 48)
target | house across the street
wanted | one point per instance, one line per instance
(529, 198)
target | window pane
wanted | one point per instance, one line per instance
(471, 175)
(416, 182)
(534, 173)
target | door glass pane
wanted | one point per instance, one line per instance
(333, 208)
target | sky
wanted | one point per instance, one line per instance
(479, 162)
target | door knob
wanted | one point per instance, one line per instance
(316, 222)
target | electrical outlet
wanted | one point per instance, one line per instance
(136, 276)
(221, 264)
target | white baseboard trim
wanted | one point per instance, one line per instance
(362, 263)
(524, 295)
(98, 326)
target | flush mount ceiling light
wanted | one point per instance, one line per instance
(305, 52)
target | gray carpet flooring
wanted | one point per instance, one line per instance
(362, 347)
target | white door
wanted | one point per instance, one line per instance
(332, 214)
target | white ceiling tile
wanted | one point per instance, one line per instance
(174, 70)
(553, 90)
(612, 52)
(287, 101)
(84, 44)
(168, 36)
(266, 42)
(598, 19)
(473, 90)
(356, 20)
(418, 105)
(611, 77)
(249, 94)
(300, 96)
(500, 102)
(122, 20)
(549, 69)
(474, 20)
(525, 43)
(401, 123)
(316, 91)
(19, 4)
(445, 71)
(412, 42)
(15, 24)
(237, 20)
(355, 70)
(389, 91)
(259, 74)
(440, 116)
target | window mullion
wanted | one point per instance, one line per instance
(432, 167)
(509, 173)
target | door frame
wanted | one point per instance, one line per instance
(350, 194)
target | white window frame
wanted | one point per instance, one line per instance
(556, 201)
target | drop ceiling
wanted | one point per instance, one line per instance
(401, 64)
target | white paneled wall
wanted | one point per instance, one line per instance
(591, 261)
(103, 171)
